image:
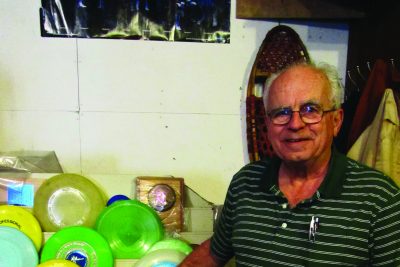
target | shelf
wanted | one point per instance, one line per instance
(190, 237)
(310, 9)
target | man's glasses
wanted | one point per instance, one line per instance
(309, 113)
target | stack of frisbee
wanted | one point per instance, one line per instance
(89, 231)
(20, 237)
(21, 219)
(69, 204)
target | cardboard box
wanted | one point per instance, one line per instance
(19, 192)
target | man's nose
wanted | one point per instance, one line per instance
(295, 121)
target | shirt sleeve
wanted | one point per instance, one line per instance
(386, 234)
(221, 241)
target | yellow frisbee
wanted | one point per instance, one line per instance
(58, 263)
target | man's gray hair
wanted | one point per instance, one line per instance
(337, 90)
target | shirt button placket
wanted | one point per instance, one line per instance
(284, 224)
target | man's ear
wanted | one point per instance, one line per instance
(337, 121)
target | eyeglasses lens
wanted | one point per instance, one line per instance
(309, 113)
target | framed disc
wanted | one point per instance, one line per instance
(161, 197)
(130, 228)
(67, 200)
(81, 245)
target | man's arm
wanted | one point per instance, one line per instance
(201, 257)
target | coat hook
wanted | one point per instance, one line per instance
(392, 62)
(352, 81)
(369, 65)
(359, 72)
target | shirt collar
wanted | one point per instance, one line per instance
(330, 187)
(333, 181)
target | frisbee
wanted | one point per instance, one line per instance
(130, 228)
(58, 263)
(81, 245)
(174, 244)
(161, 258)
(67, 200)
(23, 220)
(17, 249)
(116, 198)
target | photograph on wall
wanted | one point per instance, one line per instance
(164, 20)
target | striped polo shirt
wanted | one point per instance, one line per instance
(352, 220)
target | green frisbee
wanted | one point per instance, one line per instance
(130, 228)
(81, 245)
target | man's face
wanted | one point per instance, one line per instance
(297, 141)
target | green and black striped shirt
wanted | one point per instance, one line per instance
(358, 212)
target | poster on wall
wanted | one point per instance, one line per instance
(164, 20)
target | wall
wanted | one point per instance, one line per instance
(117, 109)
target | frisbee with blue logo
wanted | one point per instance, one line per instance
(81, 245)
(16, 249)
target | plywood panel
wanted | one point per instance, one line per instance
(206, 150)
(35, 73)
(145, 76)
(42, 131)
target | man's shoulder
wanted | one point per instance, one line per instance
(356, 168)
(254, 172)
(359, 174)
(256, 167)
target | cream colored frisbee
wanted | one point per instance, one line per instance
(68, 200)
(161, 258)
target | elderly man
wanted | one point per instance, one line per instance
(309, 206)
